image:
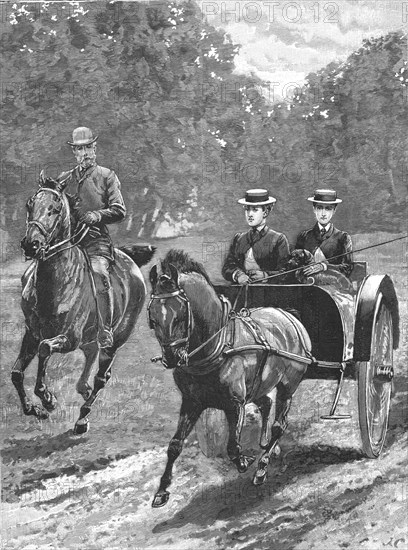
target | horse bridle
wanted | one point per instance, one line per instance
(49, 235)
(175, 294)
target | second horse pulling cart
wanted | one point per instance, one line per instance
(353, 336)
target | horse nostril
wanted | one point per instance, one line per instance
(30, 248)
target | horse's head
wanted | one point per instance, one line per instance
(44, 218)
(169, 314)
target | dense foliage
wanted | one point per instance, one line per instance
(184, 133)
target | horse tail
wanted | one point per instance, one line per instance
(140, 254)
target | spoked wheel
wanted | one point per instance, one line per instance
(374, 383)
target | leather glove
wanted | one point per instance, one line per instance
(242, 279)
(257, 275)
(313, 269)
(90, 218)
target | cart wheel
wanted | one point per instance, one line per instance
(374, 390)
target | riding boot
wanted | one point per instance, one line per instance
(105, 304)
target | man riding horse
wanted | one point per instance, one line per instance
(97, 199)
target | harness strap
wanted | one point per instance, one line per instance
(255, 330)
(261, 343)
(210, 362)
(300, 335)
(275, 351)
(259, 338)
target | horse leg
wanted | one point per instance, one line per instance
(48, 399)
(235, 417)
(189, 414)
(264, 405)
(106, 357)
(283, 402)
(28, 350)
(58, 344)
(91, 353)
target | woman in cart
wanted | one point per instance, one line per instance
(330, 246)
(260, 252)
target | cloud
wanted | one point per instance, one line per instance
(300, 37)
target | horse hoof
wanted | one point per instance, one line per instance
(243, 462)
(51, 404)
(160, 499)
(29, 410)
(81, 428)
(39, 412)
(260, 477)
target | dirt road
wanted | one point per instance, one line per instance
(95, 491)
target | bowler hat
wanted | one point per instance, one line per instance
(82, 136)
(325, 196)
(257, 197)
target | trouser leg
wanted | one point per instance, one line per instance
(104, 295)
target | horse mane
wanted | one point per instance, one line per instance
(184, 264)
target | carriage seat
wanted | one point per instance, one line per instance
(358, 274)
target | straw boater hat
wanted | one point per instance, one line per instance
(325, 196)
(257, 197)
(82, 136)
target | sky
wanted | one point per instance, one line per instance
(281, 42)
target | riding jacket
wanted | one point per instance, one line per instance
(333, 243)
(99, 192)
(270, 250)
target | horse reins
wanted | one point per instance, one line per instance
(56, 248)
(331, 258)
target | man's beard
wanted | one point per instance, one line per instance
(87, 161)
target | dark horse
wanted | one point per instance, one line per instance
(186, 313)
(59, 302)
